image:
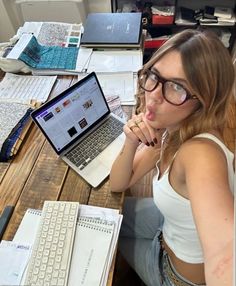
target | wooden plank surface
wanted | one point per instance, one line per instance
(26, 180)
(19, 169)
(3, 170)
(37, 174)
(75, 188)
(103, 197)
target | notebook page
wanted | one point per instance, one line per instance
(90, 252)
(27, 229)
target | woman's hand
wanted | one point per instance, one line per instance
(138, 130)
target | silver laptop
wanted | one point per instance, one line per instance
(82, 130)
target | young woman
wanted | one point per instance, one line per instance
(184, 234)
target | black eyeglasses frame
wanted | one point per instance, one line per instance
(162, 81)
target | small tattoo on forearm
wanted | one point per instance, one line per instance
(122, 150)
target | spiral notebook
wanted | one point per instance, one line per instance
(90, 260)
(95, 240)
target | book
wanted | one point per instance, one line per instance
(122, 30)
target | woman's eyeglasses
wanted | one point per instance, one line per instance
(173, 92)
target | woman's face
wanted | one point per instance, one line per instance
(160, 113)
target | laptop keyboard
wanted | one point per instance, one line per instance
(95, 143)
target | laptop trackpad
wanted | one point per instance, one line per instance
(108, 156)
(95, 172)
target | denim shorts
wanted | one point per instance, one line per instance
(139, 244)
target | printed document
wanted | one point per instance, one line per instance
(122, 84)
(13, 261)
(115, 61)
(25, 89)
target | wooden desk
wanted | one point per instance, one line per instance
(37, 174)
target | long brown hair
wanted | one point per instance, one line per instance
(210, 73)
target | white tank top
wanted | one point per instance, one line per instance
(179, 229)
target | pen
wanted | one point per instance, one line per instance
(4, 219)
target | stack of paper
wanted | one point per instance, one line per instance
(225, 16)
(87, 238)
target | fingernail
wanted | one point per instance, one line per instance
(155, 140)
(152, 144)
(147, 144)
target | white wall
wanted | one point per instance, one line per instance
(11, 16)
(99, 6)
(7, 29)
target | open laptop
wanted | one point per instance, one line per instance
(77, 123)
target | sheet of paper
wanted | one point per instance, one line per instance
(122, 84)
(83, 59)
(112, 250)
(24, 88)
(19, 46)
(91, 249)
(27, 229)
(115, 61)
(13, 261)
(115, 106)
(53, 33)
(29, 28)
(98, 212)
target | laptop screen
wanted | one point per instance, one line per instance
(67, 117)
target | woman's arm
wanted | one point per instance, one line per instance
(133, 163)
(206, 176)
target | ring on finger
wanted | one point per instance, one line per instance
(138, 121)
(133, 127)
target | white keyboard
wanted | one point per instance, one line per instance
(51, 255)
